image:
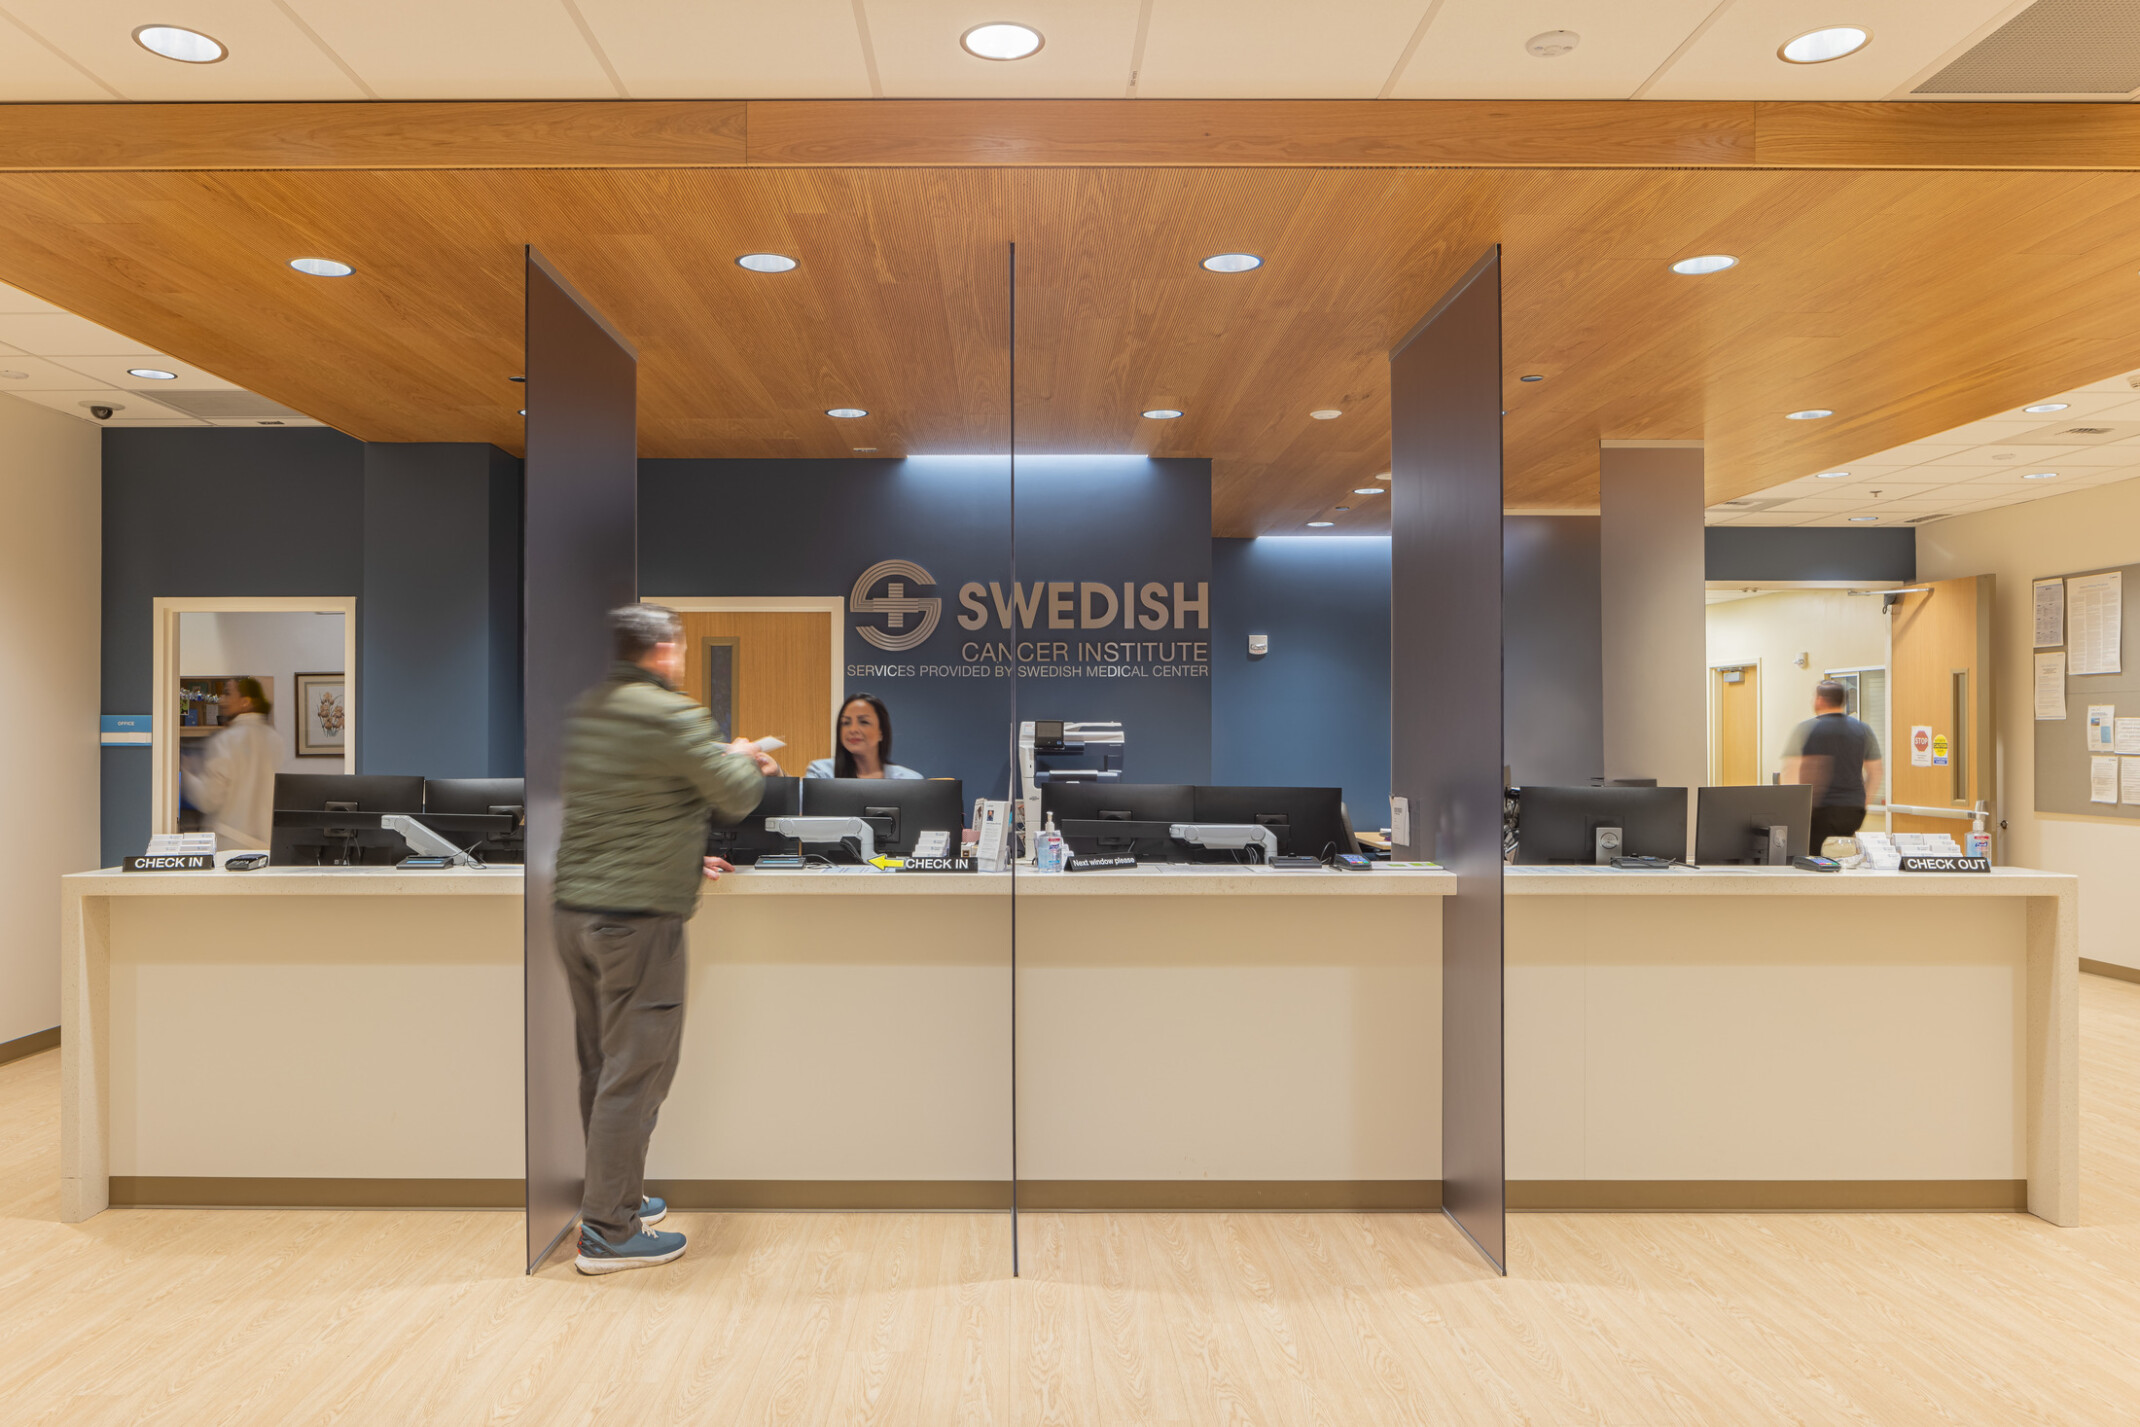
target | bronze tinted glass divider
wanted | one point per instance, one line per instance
(580, 558)
(1446, 706)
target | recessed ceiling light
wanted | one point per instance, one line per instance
(321, 267)
(2041, 476)
(185, 46)
(1232, 263)
(1820, 46)
(14, 376)
(1328, 413)
(845, 413)
(766, 262)
(1341, 507)
(1320, 524)
(865, 450)
(1706, 263)
(2043, 406)
(1367, 490)
(1161, 413)
(1813, 413)
(1383, 476)
(1831, 475)
(1552, 44)
(1001, 41)
(1862, 519)
(151, 374)
(523, 411)
(1533, 377)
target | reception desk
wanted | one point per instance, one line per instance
(1168, 1038)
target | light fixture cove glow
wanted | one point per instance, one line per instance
(321, 267)
(185, 46)
(1232, 263)
(1705, 264)
(1001, 41)
(766, 263)
(1820, 46)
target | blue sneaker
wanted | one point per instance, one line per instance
(652, 1210)
(642, 1250)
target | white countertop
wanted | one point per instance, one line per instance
(1158, 880)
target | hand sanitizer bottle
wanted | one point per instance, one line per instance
(1051, 847)
(1978, 843)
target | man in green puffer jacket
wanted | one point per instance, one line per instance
(642, 772)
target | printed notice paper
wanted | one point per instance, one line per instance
(1921, 746)
(2096, 604)
(2129, 735)
(2103, 780)
(2050, 613)
(2051, 685)
(2101, 734)
(2129, 780)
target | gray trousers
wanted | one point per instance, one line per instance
(627, 971)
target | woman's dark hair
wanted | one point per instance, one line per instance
(843, 763)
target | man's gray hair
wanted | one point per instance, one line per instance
(634, 629)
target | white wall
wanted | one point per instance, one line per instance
(1833, 628)
(51, 576)
(2086, 530)
(279, 646)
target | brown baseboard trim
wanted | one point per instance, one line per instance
(1697, 1196)
(1410, 1196)
(2100, 968)
(712, 1196)
(34, 1043)
(158, 1191)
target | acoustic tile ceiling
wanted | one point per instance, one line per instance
(69, 50)
(2092, 440)
(53, 358)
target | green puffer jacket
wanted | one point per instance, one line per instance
(641, 771)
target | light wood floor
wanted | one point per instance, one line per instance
(158, 1316)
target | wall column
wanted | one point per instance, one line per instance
(1651, 582)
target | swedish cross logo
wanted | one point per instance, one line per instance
(895, 605)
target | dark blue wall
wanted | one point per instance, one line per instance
(1809, 552)
(813, 527)
(440, 649)
(431, 551)
(205, 513)
(1315, 710)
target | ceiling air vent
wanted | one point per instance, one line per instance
(218, 404)
(2092, 433)
(2053, 47)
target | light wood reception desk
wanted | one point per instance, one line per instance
(1170, 1038)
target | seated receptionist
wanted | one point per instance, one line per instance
(865, 743)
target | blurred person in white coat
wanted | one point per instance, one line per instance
(234, 786)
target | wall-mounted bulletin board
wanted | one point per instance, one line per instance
(2087, 699)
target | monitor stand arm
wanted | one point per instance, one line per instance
(426, 843)
(806, 829)
(1227, 836)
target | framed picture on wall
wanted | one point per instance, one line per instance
(322, 715)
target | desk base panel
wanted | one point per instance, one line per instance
(1753, 1196)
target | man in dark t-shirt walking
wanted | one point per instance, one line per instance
(1840, 757)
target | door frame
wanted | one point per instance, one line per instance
(164, 658)
(1716, 714)
(833, 607)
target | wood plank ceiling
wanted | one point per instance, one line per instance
(1908, 301)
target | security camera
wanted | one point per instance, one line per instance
(101, 413)
(102, 410)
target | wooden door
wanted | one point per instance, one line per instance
(764, 672)
(1736, 734)
(1941, 695)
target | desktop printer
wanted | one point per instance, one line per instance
(1052, 751)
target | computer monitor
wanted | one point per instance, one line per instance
(302, 838)
(1308, 822)
(474, 796)
(745, 841)
(1561, 824)
(1731, 825)
(899, 810)
(1119, 819)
